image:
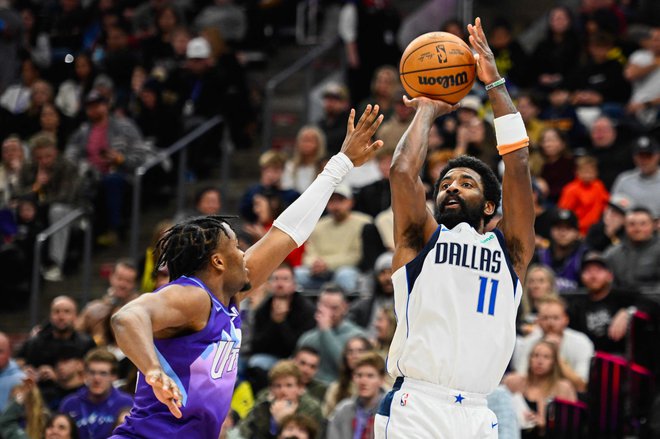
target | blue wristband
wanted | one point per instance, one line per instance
(497, 83)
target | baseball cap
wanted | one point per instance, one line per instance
(344, 191)
(620, 202)
(94, 97)
(564, 216)
(594, 258)
(383, 262)
(646, 145)
(198, 48)
(471, 102)
(335, 90)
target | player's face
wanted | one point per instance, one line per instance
(460, 199)
(368, 381)
(99, 377)
(236, 275)
(286, 388)
(552, 318)
(595, 277)
(308, 364)
(541, 359)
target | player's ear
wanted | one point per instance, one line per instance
(217, 262)
(489, 208)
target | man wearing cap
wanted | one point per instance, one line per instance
(609, 230)
(635, 261)
(335, 112)
(565, 252)
(334, 249)
(108, 149)
(364, 311)
(603, 312)
(642, 184)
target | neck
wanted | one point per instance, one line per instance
(649, 173)
(99, 398)
(369, 402)
(62, 334)
(215, 284)
(600, 294)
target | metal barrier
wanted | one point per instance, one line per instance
(86, 225)
(285, 74)
(179, 145)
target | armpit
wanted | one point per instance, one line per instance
(516, 251)
(413, 237)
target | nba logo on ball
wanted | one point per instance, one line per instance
(438, 65)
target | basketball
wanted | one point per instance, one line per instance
(438, 65)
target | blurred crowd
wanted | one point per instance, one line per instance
(88, 91)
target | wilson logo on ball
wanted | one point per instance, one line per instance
(444, 81)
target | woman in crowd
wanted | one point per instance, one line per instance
(308, 159)
(343, 387)
(558, 167)
(61, 426)
(539, 284)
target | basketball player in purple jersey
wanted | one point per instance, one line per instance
(185, 338)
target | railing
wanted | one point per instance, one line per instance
(180, 145)
(282, 76)
(69, 219)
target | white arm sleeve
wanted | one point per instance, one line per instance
(300, 218)
(347, 25)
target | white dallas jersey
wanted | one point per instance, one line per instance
(456, 306)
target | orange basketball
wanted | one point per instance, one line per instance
(438, 65)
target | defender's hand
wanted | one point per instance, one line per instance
(165, 390)
(486, 67)
(357, 143)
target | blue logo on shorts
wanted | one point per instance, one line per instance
(493, 425)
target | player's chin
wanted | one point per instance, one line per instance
(246, 287)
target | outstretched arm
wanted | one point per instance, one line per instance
(293, 227)
(413, 223)
(517, 222)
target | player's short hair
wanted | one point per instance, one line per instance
(492, 189)
(102, 355)
(371, 359)
(185, 248)
(308, 424)
(282, 369)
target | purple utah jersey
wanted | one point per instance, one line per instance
(203, 365)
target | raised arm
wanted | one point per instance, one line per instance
(517, 222)
(293, 227)
(413, 222)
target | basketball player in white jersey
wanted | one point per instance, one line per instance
(457, 288)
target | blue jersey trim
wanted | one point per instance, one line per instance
(385, 406)
(170, 372)
(414, 267)
(507, 256)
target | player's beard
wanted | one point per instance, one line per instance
(246, 287)
(450, 218)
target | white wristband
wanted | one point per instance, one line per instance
(509, 129)
(300, 218)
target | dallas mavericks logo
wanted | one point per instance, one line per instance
(442, 53)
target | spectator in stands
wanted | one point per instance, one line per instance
(364, 312)
(354, 417)
(600, 81)
(556, 56)
(609, 230)
(558, 167)
(224, 15)
(543, 220)
(10, 45)
(374, 198)
(635, 261)
(25, 415)
(27, 122)
(642, 184)
(10, 374)
(280, 320)
(474, 135)
(308, 361)
(393, 128)
(144, 17)
(610, 149)
(541, 381)
(384, 86)
(71, 93)
(298, 427)
(16, 97)
(157, 119)
(561, 115)
(603, 313)
(586, 195)
(512, 61)
(271, 164)
(53, 181)
(96, 406)
(55, 124)
(122, 289)
(207, 201)
(643, 71)
(309, 157)
(118, 63)
(332, 331)
(539, 284)
(565, 251)
(343, 387)
(529, 106)
(335, 114)
(13, 158)
(109, 147)
(287, 396)
(42, 350)
(67, 26)
(383, 329)
(157, 48)
(69, 378)
(61, 426)
(334, 249)
(151, 273)
(575, 348)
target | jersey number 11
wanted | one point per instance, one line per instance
(483, 285)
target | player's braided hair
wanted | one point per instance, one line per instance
(185, 247)
(492, 189)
